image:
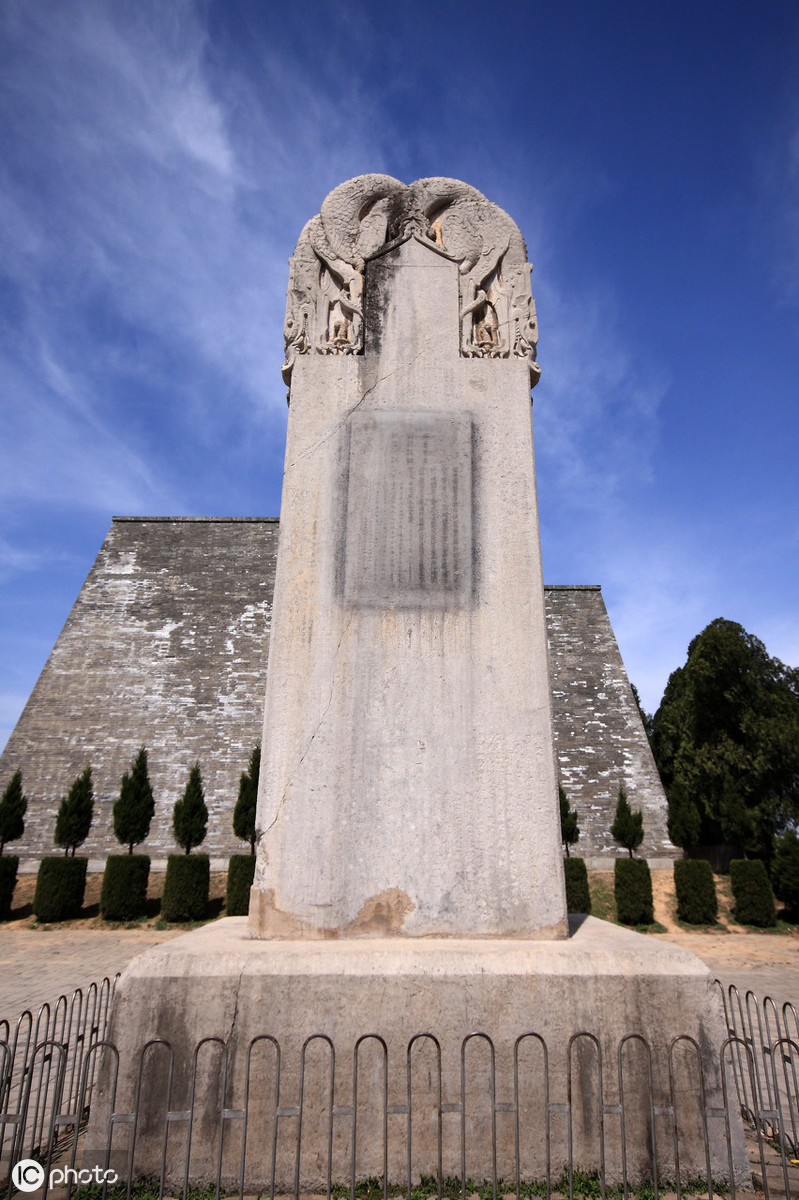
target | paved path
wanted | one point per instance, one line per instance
(37, 965)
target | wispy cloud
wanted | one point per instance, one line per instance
(598, 428)
(146, 191)
(56, 450)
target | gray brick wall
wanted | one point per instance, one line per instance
(600, 740)
(166, 646)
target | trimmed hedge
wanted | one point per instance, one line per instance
(124, 893)
(754, 899)
(186, 887)
(60, 887)
(633, 890)
(578, 896)
(696, 891)
(8, 881)
(240, 872)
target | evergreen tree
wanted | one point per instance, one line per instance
(135, 808)
(627, 827)
(646, 718)
(569, 829)
(190, 816)
(244, 812)
(726, 742)
(75, 814)
(684, 823)
(12, 811)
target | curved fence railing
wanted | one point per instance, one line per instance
(580, 1118)
(766, 1034)
(43, 1060)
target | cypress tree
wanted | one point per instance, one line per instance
(569, 829)
(135, 808)
(190, 816)
(12, 811)
(75, 813)
(627, 827)
(244, 812)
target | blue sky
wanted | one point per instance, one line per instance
(158, 160)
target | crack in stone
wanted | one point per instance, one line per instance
(318, 726)
(235, 1011)
(383, 378)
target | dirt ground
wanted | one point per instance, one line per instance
(765, 962)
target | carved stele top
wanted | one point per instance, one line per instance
(360, 218)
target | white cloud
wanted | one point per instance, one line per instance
(659, 589)
(63, 454)
(147, 208)
(597, 430)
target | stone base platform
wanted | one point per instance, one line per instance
(398, 1101)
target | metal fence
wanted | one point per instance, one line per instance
(266, 1117)
(764, 1064)
(47, 1068)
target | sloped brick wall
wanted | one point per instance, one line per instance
(600, 740)
(165, 647)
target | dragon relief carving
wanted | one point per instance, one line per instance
(324, 311)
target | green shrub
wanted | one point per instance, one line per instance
(578, 897)
(186, 887)
(628, 826)
(60, 886)
(240, 872)
(633, 890)
(124, 892)
(754, 899)
(569, 825)
(696, 891)
(785, 872)
(8, 881)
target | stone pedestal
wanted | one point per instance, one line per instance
(606, 982)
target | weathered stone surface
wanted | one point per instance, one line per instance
(600, 739)
(408, 780)
(165, 647)
(606, 981)
(363, 216)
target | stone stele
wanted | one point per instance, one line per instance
(409, 877)
(408, 781)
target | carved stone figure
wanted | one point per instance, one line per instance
(360, 217)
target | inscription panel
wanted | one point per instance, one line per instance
(408, 518)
